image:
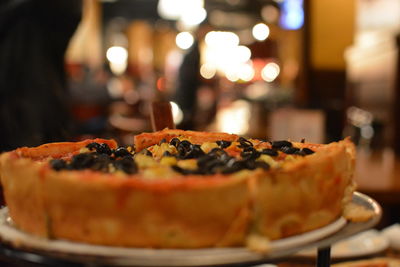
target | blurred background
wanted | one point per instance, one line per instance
(272, 69)
(318, 70)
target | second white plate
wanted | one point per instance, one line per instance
(363, 244)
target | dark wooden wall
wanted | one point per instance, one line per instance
(323, 89)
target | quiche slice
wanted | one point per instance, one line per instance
(176, 189)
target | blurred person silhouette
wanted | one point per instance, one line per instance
(34, 35)
(187, 85)
(189, 80)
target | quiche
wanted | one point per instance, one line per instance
(177, 189)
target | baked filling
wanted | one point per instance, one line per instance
(179, 155)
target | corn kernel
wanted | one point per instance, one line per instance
(208, 146)
(168, 161)
(268, 159)
(190, 164)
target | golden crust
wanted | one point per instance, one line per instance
(190, 212)
(306, 194)
(57, 150)
(96, 208)
(141, 215)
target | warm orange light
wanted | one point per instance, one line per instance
(161, 84)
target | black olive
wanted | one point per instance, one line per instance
(121, 151)
(187, 150)
(269, 152)
(104, 149)
(93, 146)
(126, 164)
(307, 151)
(279, 144)
(203, 160)
(230, 162)
(262, 164)
(223, 143)
(250, 153)
(250, 164)
(82, 161)
(244, 142)
(183, 148)
(162, 141)
(58, 164)
(289, 150)
(212, 162)
(182, 151)
(167, 154)
(234, 166)
(194, 151)
(101, 162)
(225, 158)
(184, 143)
(217, 152)
(178, 169)
(215, 166)
(174, 142)
(184, 171)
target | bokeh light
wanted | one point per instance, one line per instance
(184, 40)
(242, 53)
(270, 72)
(193, 17)
(235, 118)
(208, 70)
(188, 13)
(246, 72)
(260, 31)
(224, 55)
(118, 58)
(117, 54)
(177, 113)
(292, 17)
(221, 38)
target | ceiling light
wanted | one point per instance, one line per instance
(184, 40)
(270, 72)
(260, 31)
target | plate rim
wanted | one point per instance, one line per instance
(206, 256)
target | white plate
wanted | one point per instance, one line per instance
(363, 244)
(392, 233)
(27, 247)
(13, 235)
